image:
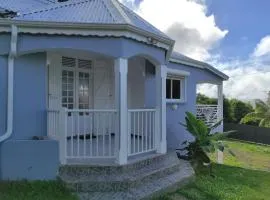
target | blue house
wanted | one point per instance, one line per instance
(90, 82)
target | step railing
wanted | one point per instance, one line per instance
(141, 131)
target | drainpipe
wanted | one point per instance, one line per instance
(11, 56)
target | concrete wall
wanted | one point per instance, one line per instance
(176, 134)
(29, 159)
(249, 133)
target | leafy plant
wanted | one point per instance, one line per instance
(261, 114)
(205, 141)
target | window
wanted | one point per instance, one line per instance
(76, 85)
(175, 89)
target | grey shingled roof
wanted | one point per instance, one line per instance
(24, 5)
(79, 11)
(175, 56)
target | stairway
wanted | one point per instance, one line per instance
(141, 179)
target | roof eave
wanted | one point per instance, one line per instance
(89, 26)
(203, 66)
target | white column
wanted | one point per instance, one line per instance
(121, 70)
(161, 133)
(220, 104)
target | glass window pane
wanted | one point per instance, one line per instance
(168, 89)
(176, 89)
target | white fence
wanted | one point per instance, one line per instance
(141, 127)
(207, 113)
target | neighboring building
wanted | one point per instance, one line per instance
(89, 81)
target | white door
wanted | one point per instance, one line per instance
(103, 95)
(77, 90)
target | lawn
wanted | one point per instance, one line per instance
(243, 177)
(38, 190)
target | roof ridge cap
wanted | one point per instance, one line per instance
(121, 11)
(53, 6)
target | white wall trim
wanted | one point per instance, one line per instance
(178, 72)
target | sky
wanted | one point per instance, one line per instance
(232, 35)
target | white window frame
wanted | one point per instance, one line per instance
(173, 74)
(76, 70)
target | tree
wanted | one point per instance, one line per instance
(261, 113)
(239, 109)
(205, 100)
(227, 110)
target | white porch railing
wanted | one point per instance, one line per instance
(141, 131)
(53, 123)
(89, 133)
(207, 113)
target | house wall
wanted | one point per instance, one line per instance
(176, 134)
(20, 156)
(113, 47)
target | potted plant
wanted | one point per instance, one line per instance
(204, 141)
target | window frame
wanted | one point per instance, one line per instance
(183, 85)
(76, 79)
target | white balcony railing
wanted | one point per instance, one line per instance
(141, 128)
(207, 113)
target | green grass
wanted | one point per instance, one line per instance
(243, 177)
(37, 190)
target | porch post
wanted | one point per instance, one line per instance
(220, 104)
(161, 133)
(121, 70)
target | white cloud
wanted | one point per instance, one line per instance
(263, 47)
(196, 33)
(249, 79)
(185, 21)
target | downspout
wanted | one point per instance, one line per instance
(10, 99)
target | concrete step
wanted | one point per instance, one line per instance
(148, 190)
(121, 178)
(83, 170)
(122, 182)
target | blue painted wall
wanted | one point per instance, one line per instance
(113, 47)
(3, 93)
(30, 96)
(28, 159)
(176, 134)
(4, 43)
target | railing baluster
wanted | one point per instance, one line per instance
(84, 138)
(91, 132)
(78, 134)
(110, 133)
(146, 132)
(97, 134)
(72, 127)
(103, 132)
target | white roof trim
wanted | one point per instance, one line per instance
(203, 66)
(177, 72)
(85, 29)
(122, 13)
